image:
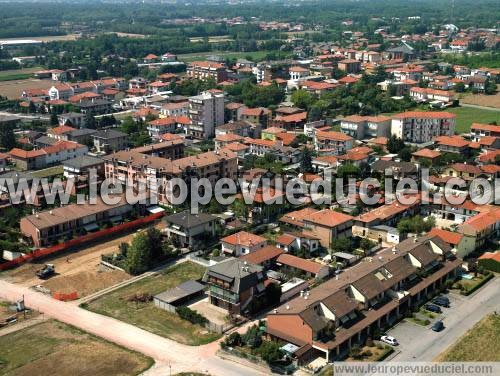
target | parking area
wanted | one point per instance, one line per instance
(417, 342)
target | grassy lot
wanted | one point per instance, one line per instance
(146, 315)
(52, 348)
(372, 353)
(47, 172)
(17, 74)
(254, 56)
(468, 115)
(479, 344)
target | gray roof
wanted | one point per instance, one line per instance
(404, 48)
(8, 118)
(83, 161)
(71, 115)
(182, 291)
(108, 134)
(188, 220)
(16, 176)
(82, 132)
(238, 273)
(404, 167)
(45, 140)
(95, 102)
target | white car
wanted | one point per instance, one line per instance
(390, 340)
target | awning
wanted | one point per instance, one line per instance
(91, 227)
(155, 209)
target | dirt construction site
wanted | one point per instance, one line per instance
(78, 271)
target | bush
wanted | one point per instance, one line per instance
(234, 339)
(193, 317)
(427, 322)
(270, 351)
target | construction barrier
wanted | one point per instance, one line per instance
(65, 297)
(39, 253)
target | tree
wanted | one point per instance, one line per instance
(139, 257)
(348, 170)
(490, 87)
(273, 293)
(302, 98)
(90, 121)
(270, 351)
(7, 137)
(54, 120)
(395, 144)
(31, 108)
(252, 337)
(306, 160)
(459, 87)
(341, 245)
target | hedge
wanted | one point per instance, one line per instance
(193, 317)
(480, 284)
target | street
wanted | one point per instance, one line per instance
(165, 352)
(422, 344)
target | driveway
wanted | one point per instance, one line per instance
(422, 344)
(165, 352)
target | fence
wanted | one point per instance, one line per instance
(39, 253)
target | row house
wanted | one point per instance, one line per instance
(419, 94)
(452, 144)
(479, 131)
(330, 319)
(48, 156)
(332, 143)
(420, 127)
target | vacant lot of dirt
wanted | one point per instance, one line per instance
(75, 271)
(482, 100)
(14, 89)
(55, 348)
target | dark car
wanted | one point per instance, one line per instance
(441, 302)
(444, 298)
(433, 308)
(438, 326)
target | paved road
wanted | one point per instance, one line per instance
(25, 116)
(165, 352)
(479, 107)
(423, 344)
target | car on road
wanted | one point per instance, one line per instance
(441, 302)
(390, 340)
(438, 326)
(433, 308)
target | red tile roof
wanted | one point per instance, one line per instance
(263, 254)
(299, 263)
(328, 218)
(447, 236)
(243, 238)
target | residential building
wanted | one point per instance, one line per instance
(349, 65)
(257, 116)
(233, 284)
(479, 131)
(48, 227)
(342, 312)
(204, 70)
(309, 269)
(47, 156)
(420, 127)
(332, 143)
(206, 112)
(361, 127)
(109, 140)
(328, 225)
(242, 243)
(188, 230)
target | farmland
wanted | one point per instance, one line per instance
(53, 347)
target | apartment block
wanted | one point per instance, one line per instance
(203, 70)
(361, 127)
(420, 127)
(206, 112)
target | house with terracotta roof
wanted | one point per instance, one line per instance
(328, 225)
(420, 127)
(429, 155)
(479, 131)
(47, 156)
(490, 261)
(265, 256)
(257, 116)
(221, 141)
(294, 121)
(452, 144)
(332, 143)
(482, 228)
(290, 264)
(349, 65)
(419, 94)
(158, 127)
(242, 243)
(461, 245)
(60, 131)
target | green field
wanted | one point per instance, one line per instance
(52, 347)
(149, 317)
(468, 115)
(254, 56)
(17, 74)
(479, 344)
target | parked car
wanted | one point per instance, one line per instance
(390, 340)
(444, 298)
(441, 302)
(438, 326)
(433, 308)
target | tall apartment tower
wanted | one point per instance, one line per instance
(206, 112)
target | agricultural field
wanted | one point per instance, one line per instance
(18, 74)
(145, 315)
(479, 344)
(214, 39)
(13, 89)
(482, 100)
(43, 348)
(254, 56)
